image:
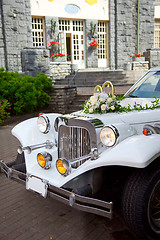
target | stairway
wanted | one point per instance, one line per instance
(86, 80)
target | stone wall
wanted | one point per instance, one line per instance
(91, 55)
(153, 57)
(61, 98)
(123, 30)
(2, 40)
(51, 31)
(60, 70)
(35, 61)
(16, 28)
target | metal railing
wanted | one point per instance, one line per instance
(69, 84)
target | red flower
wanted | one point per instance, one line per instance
(52, 43)
(94, 43)
(137, 55)
(58, 55)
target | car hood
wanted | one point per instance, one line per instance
(133, 117)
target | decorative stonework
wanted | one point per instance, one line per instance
(60, 70)
(143, 65)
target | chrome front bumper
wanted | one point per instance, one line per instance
(72, 199)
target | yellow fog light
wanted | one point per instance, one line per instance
(44, 160)
(63, 166)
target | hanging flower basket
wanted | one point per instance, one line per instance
(54, 44)
(93, 45)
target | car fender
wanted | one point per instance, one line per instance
(136, 151)
(27, 132)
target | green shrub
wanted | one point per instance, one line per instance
(5, 108)
(25, 93)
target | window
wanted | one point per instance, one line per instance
(157, 33)
(64, 25)
(38, 31)
(102, 40)
(78, 26)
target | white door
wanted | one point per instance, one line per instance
(71, 34)
(78, 50)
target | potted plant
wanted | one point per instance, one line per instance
(137, 57)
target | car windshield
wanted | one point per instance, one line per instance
(147, 87)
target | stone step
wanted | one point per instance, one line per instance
(89, 78)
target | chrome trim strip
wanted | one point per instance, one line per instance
(82, 203)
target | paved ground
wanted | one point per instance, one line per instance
(25, 215)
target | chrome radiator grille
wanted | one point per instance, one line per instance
(74, 142)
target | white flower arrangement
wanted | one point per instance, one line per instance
(104, 103)
(101, 103)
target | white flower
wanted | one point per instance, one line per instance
(88, 104)
(96, 95)
(104, 95)
(93, 100)
(103, 107)
(109, 100)
(102, 100)
(112, 108)
(91, 110)
(97, 105)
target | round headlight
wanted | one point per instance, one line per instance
(44, 160)
(108, 136)
(43, 124)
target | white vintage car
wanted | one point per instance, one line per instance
(110, 145)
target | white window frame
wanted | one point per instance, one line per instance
(103, 43)
(38, 33)
(157, 33)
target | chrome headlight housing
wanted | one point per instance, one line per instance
(43, 123)
(109, 135)
(63, 166)
(44, 160)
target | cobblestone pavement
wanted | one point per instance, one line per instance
(25, 215)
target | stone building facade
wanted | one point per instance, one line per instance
(122, 28)
(16, 32)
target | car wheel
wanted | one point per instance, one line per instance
(141, 202)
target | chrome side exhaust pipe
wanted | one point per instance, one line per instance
(31, 148)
